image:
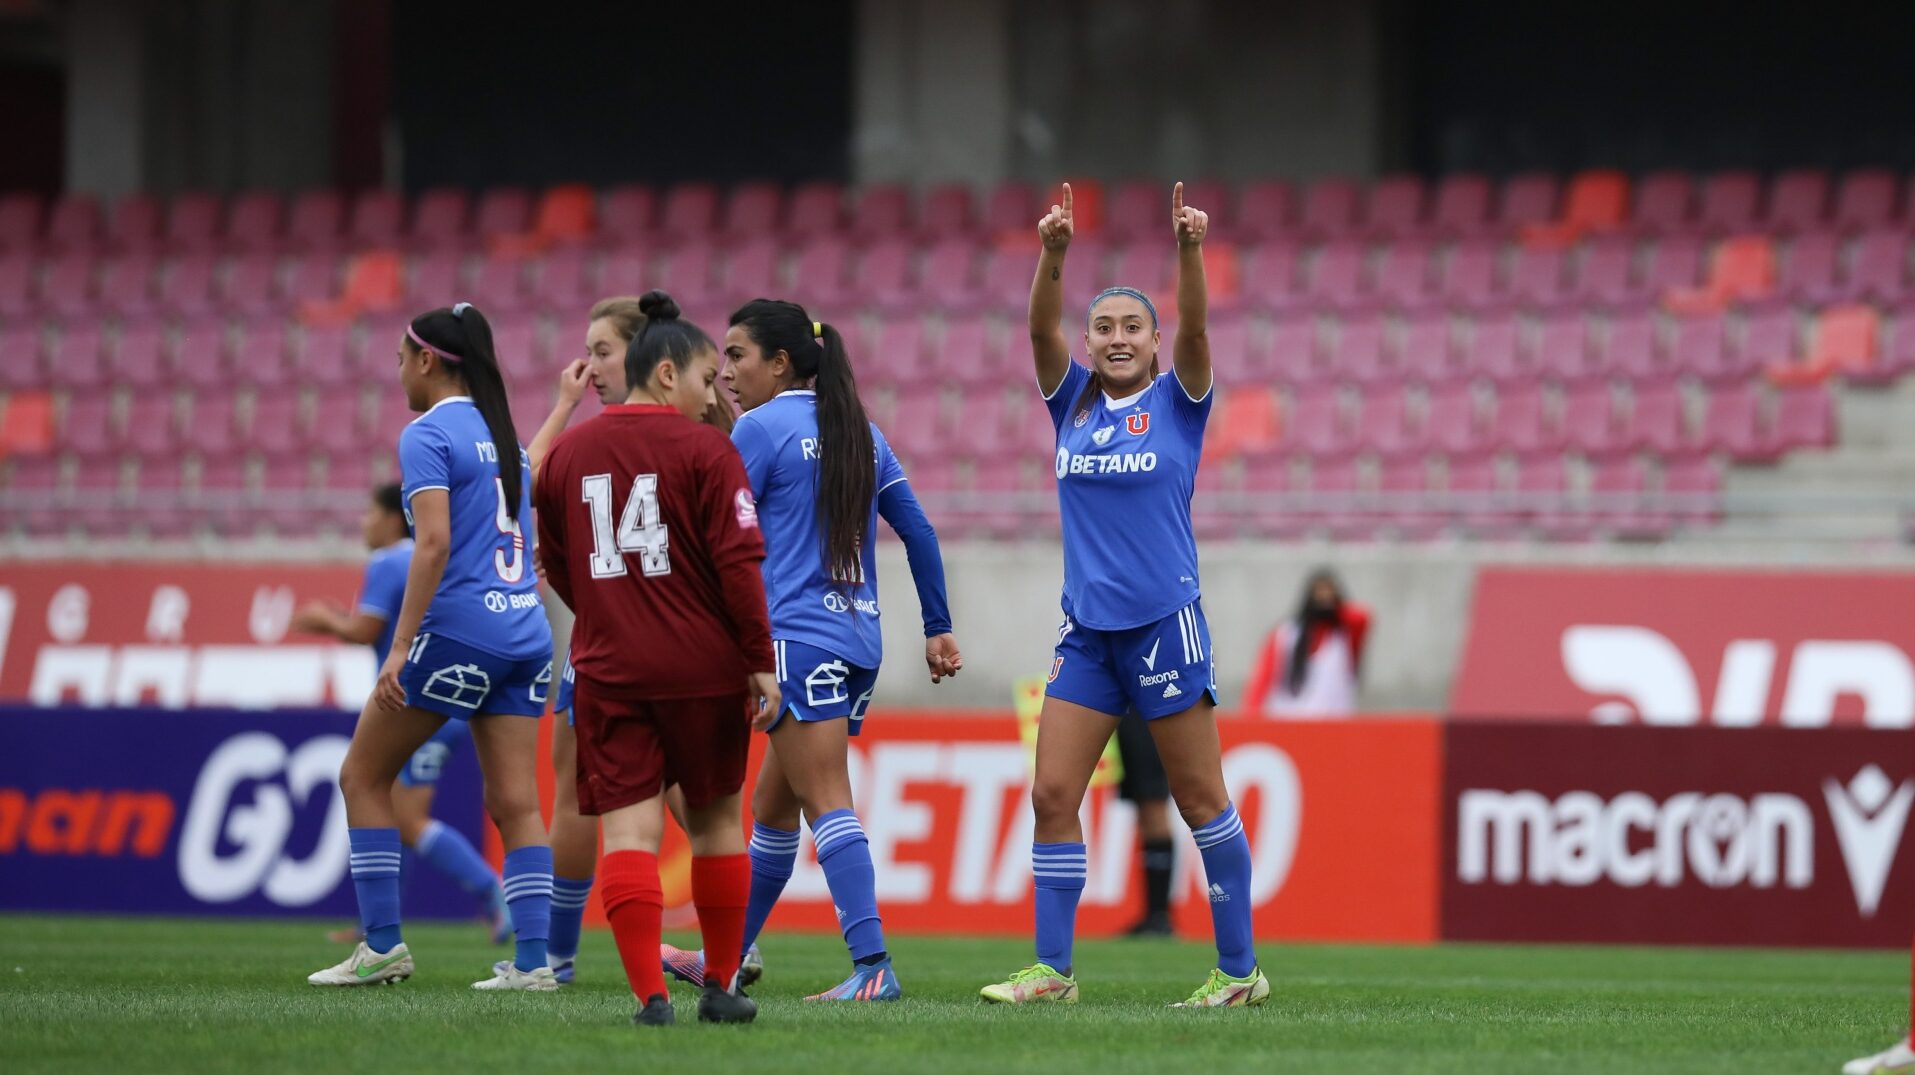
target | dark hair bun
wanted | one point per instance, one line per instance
(658, 306)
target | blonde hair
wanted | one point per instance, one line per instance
(627, 318)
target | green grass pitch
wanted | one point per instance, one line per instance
(140, 995)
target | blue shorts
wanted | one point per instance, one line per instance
(429, 761)
(1157, 670)
(818, 685)
(567, 685)
(459, 681)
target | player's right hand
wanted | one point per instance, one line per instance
(387, 690)
(763, 686)
(1055, 229)
(573, 380)
(313, 616)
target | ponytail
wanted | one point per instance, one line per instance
(847, 454)
(462, 338)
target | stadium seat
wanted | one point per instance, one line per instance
(1450, 423)
(882, 276)
(20, 213)
(627, 213)
(135, 225)
(883, 211)
(1798, 201)
(17, 298)
(1495, 351)
(1469, 278)
(1475, 492)
(949, 276)
(1013, 208)
(1461, 209)
(1808, 271)
(1563, 351)
(139, 356)
(1543, 501)
(261, 358)
(1426, 354)
(199, 357)
(1137, 212)
(1271, 279)
(1523, 422)
(1843, 341)
(1657, 421)
(67, 287)
(1589, 424)
(820, 277)
(1729, 201)
(1663, 205)
(754, 210)
(213, 428)
(1732, 424)
(253, 222)
(1866, 200)
(1629, 348)
(186, 289)
(816, 210)
(498, 286)
(1743, 269)
(1536, 279)
(1266, 210)
(1247, 424)
(566, 216)
(316, 221)
(1384, 426)
(1692, 491)
(126, 284)
(1336, 277)
(947, 212)
(26, 424)
(79, 362)
(507, 211)
(1596, 201)
(1526, 200)
(22, 365)
(324, 359)
(378, 219)
(98, 497)
(38, 480)
(73, 225)
(1700, 348)
(1329, 209)
(1675, 263)
(439, 219)
(1149, 267)
(192, 223)
(1403, 281)
(1804, 418)
(1603, 275)
(1878, 271)
(690, 212)
(1617, 490)
(1358, 355)
(1313, 424)
(1295, 359)
(1394, 208)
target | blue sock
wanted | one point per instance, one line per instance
(1058, 870)
(774, 854)
(1226, 853)
(449, 852)
(846, 858)
(568, 915)
(375, 878)
(528, 893)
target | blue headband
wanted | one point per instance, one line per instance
(1129, 292)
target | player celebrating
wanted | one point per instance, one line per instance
(613, 324)
(1128, 444)
(470, 643)
(822, 474)
(648, 532)
(371, 624)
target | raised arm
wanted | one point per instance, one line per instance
(1049, 348)
(572, 382)
(1190, 354)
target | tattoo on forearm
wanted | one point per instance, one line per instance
(1055, 273)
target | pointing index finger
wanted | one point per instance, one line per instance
(1067, 198)
(1177, 199)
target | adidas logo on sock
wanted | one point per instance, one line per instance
(1218, 895)
(839, 911)
(1171, 691)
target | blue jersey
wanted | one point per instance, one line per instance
(383, 591)
(779, 443)
(488, 598)
(1125, 472)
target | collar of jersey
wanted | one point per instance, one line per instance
(640, 408)
(797, 392)
(1120, 404)
(448, 399)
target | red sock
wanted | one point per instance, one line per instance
(634, 903)
(1911, 993)
(721, 886)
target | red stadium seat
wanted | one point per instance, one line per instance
(1674, 263)
(1844, 341)
(151, 429)
(1249, 424)
(1743, 269)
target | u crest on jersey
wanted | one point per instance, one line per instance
(1137, 424)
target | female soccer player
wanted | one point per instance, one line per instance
(614, 322)
(822, 474)
(648, 532)
(371, 624)
(470, 643)
(1128, 443)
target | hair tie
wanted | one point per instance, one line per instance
(424, 346)
(817, 330)
(459, 309)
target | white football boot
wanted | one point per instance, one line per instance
(536, 980)
(1893, 1060)
(367, 967)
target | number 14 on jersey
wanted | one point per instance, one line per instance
(639, 530)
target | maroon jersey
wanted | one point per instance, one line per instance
(648, 532)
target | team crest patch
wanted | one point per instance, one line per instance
(747, 509)
(1102, 436)
(1078, 422)
(1137, 424)
(1057, 666)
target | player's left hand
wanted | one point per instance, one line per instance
(387, 690)
(1191, 223)
(764, 687)
(941, 654)
(313, 616)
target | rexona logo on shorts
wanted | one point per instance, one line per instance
(1694, 835)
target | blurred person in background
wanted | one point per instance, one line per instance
(370, 623)
(1309, 665)
(1146, 786)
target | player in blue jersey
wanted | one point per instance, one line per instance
(370, 623)
(470, 643)
(1134, 636)
(822, 475)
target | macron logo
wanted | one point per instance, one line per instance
(1150, 659)
(1869, 816)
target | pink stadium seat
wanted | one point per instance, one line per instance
(136, 224)
(192, 222)
(520, 358)
(1337, 275)
(1314, 424)
(1542, 497)
(1897, 357)
(138, 356)
(691, 212)
(439, 218)
(74, 224)
(19, 221)
(1149, 267)
(1523, 422)
(1589, 420)
(1000, 287)
(1536, 280)
(1804, 418)
(817, 210)
(883, 276)
(1663, 204)
(1495, 351)
(1271, 278)
(1294, 355)
(1234, 352)
(1769, 337)
(324, 360)
(950, 274)
(317, 221)
(22, 366)
(1450, 423)
(1656, 421)
(1675, 262)
(693, 273)
(1138, 211)
(260, 356)
(67, 287)
(214, 427)
(1383, 424)
(1404, 485)
(1395, 207)
(1698, 347)
(947, 212)
(1732, 424)
(628, 271)
(253, 221)
(1462, 207)
(1426, 353)
(151, 429)
(1013, 207)
(199, 357)
(1526, 199)
(378, 219)
(1629, 348)
(969, 357)
(558, 279)
(503, 211)
(1563, 351)
(627, 213)
(1267, 210)
(1470, 277)
(1475, 490)
(1692, 490)
(883, 211)
(1808, 271)
(1211, 195)
(820, 277)
(1358, 355)
(1403, 277)
(313, 278)
(1329, 209)
(78, 362)
(16, 285)
(1878, 271)
(754, 210)
(38, 478)
(433, 279)
(899, 347)
(498, 286)
(1798, 201)
(99, 497)
(1603, 277)
(1617, 489)
(1729, 202)
(1866, 200)
(126, 284)
(917, 430)
(187, 288)
(87, 429)
(1336, 494)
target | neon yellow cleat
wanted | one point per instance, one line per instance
(1220, 990)
(1031, 985)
